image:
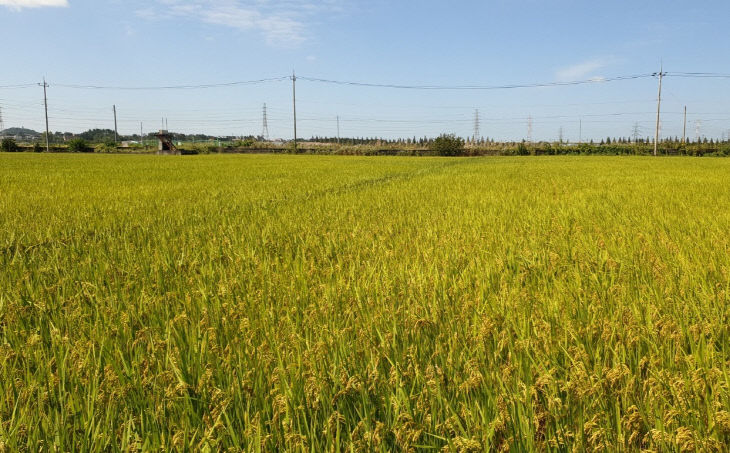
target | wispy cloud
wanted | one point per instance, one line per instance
(584, 69)
(282, 23)
(20, 4)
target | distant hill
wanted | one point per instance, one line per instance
(20, 131)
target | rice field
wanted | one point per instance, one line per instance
(343, 304)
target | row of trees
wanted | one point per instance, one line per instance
(444, 145)
(106, 136)
(485, 141)
(76, 145)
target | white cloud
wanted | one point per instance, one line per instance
(282, 23)
(583, 69)
(20, 4)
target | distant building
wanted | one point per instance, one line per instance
(166, 145)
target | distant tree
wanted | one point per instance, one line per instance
(448, 145)
(8, 145)
(78, 145)
(522, 149)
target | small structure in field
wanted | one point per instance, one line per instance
(166, 145)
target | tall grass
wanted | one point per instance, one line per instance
(310, 303)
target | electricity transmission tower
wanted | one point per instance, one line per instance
(580, 130)
(476, 126)
(265, 128)
(560, 135)
(529, 129)
(698, 126)
(636, 132)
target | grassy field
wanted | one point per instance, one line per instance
(323, 304)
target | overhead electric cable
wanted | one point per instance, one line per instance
(477, 87)
(171, 87)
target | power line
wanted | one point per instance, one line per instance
(89, 114)
(375, 85)
(171, 87)
(340, 82)
(477, 87)
(698, 75)
(24, 85)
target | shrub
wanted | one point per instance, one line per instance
(107, 147)
(78, 145)
(9, 146)
(37, 148)
(448, 145)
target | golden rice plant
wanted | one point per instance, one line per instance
(313, 303)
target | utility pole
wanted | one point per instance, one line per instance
(338, 129)
(45, 104)
(294, 99)
(658, 109)
(684, 129)
(114, 107)
(141, 136)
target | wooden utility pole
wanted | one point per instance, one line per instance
(45, 104)
(294, 99)
(114, 107)
(141, 137)
(658, 110)
(684, 129)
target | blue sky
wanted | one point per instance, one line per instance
(134, 43)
